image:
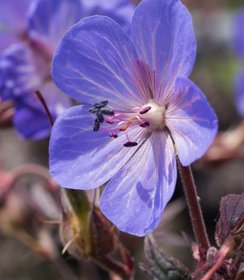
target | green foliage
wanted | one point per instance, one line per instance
(161, 267)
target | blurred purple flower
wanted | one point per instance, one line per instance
(238, 34)
(151, 109)
(239, 90)
(23, 71)
(13, 21)
(25, 67)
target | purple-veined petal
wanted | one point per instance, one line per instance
(97, 61)
(81, 158)
(30, 118)
(238, 34)
(191, 121)
(13, 19)
(119, 10)
(49, 20)
(164, 39)
(239, 93)
(136, 196)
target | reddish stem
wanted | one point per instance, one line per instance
(194, 208)
(44, 104)
(223, 253)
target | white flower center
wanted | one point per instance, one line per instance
(153, 114)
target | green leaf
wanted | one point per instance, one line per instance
(161, 267)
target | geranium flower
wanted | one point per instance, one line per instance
(25, 67)
(143, 109)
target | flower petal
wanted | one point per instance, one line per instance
(97, 60)
(239, 92)
(30, 120)
(238, 34)
(136, 196)
(81, 158)
(29, 110)
(191, 121)
(49, 20)
(164, 39)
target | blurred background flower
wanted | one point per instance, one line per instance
(25, 67)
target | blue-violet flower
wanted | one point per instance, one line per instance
(143, 109)
(25, 67)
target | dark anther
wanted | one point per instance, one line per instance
(145, 124)
(145, 110)
(96, 125)
(101, 104)
(93, 110)
(100, 110)
(107, 111)
(112, 134)
(130, 144)
(100, 116)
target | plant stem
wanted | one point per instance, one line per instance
(79, 202)
(45, 107)
(224, 251)
(194, 208)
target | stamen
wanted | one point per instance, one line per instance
(135, 109)
(145, 110)
(93, 110)
(123, 126)
(100, 116)
(96, 125)
(121, 121)
(130, 144)
(145, 124)
(109, 120)
(101, 104)
(107, 111)
(112, 134)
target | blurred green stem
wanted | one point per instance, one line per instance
(195, 211)
(79, 202)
